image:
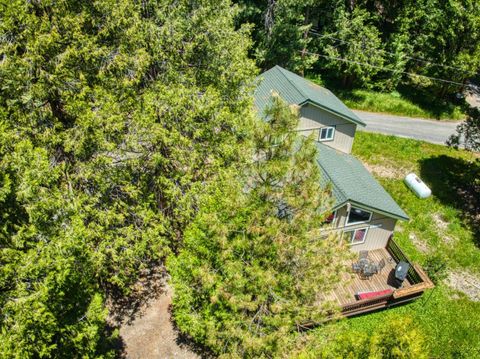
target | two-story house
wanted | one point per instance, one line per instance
(363, 210)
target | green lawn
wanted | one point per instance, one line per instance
(443, 224)
(397, 104)
(404, 102)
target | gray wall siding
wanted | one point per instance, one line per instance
(380, 229)
(312, 118)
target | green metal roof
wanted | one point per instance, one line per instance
(351, 182)
(296, 90)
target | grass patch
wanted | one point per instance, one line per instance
(397, 104)
(406, 101)
(449, 320)
(451, 327)
(447, 221)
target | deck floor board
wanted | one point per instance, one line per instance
(344, 294)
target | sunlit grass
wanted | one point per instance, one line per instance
(450, 321)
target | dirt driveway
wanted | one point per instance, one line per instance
(151, 334)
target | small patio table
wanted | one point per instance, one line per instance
(363, 263)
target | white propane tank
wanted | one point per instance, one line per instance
(417, 186)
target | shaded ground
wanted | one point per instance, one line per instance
(144, 321)
(456, 182)
(472, 96)
(151, 333)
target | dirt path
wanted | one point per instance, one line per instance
(151, 334)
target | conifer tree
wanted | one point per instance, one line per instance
(112, 115)
(255, 264)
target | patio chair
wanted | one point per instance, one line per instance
(362, 255)
(381, 265)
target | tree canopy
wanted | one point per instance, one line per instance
(112, 113)
(370, 43)
(255, 265)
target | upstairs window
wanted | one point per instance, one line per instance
(357, 215)
(327, 133)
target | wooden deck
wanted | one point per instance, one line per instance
(345, 293)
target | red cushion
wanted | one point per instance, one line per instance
(366, 295)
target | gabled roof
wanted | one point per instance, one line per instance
(351, 182)
(296, 90)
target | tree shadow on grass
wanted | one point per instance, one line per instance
(456, 182)
(426, 100)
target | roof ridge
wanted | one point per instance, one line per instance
(308, 98)
(290, 82)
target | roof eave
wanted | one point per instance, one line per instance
(373, 209)
(357, 121)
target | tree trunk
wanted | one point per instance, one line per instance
(306, 22)
(270, 17)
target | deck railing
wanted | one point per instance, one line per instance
(412, 275)
(417, 278)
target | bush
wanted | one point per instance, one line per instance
(436, 267)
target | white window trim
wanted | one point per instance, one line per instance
(354, 224)
(326, 128)
(355, 232)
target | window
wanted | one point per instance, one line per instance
(357, 215)
(330, 218)
(357, 236)
(327, 133)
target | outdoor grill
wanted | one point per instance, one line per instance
(401, 271)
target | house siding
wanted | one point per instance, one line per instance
(380, 230)
(312, 118)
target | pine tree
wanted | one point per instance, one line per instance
(255, 264)
(113, 115)
(280, 32)
(354, 51)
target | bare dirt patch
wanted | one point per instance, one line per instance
(465, 282)
(145, 323)
(152, 334)
(385, 171)
(440, 222)
(421, 245)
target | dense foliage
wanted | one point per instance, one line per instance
(370, 43)
(399, 338)
(468, 132)
(255, 265)
(127, 136)
(110, 113)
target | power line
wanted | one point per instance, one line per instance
(330, 36)
(385, 68)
